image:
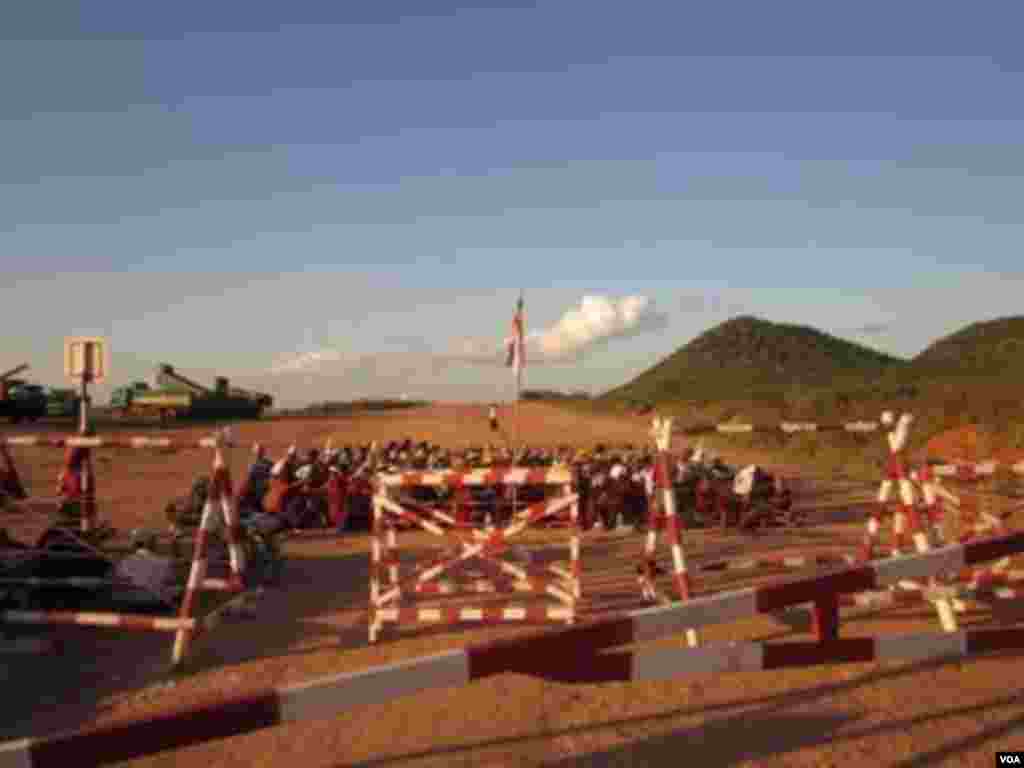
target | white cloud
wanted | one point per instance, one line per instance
(595, 321)
(302, 362)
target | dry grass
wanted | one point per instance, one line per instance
(916, 715)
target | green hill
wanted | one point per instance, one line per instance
(988, 348)
(754, 371)
(747, 358)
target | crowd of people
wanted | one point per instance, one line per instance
(332, 487)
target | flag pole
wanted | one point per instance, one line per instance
(519, 384)
(519, 373)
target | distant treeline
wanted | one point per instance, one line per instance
(347, 407)
(551, 394)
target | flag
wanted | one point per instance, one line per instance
(516, 345)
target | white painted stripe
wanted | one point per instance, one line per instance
(798, 426)
(16, 754)
(734, 428)
(513, 476)
(874, 599)
(652, 623)
(333, 696)
(150, 442)
(668, 663)
(920, 647)
(85, 442)
(514, 614)
(561, 614)
(920, 566)
(794, 562)
(23, 440)
(432, 615)
(910, 586)
(561, 595)
(471, 614)
(861, 426)
(171, 625)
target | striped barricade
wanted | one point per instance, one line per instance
(46, 441)
(186, 626)
(568, 655)
(483, 545)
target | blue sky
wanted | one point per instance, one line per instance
(224, 185)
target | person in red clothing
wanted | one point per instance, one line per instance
(76, 484)
(337, 498)
(10, 484)
(282, 486)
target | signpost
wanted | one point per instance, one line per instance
(86, 359)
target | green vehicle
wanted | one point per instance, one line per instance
(19, 400)
(176, 397)
(62, 403)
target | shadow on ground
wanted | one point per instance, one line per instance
(761, 729)
(312, 608)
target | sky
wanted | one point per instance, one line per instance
(337, 200)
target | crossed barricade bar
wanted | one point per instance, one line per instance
(470, 543)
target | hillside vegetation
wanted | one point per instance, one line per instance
(752, 370)
(747, 357)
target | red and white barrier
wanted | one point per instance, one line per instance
(662, 432)
(788, 562)
(567, 655)
(186, 625)
(672, 662)
(824, 591)
(46, 441)
(485, 545)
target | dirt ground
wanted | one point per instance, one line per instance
(954, 713)
(969, 443)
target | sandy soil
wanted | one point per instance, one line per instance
(967, 444)
(899, 715)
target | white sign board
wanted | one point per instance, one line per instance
(86, 357)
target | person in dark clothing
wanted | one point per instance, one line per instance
(257, 483)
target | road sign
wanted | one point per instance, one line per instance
(86, 358)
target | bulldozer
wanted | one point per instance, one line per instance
(173, 396)
(19, 400)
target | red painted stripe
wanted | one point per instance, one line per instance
(808, 653)
(987, 550)
(673, 529)
(990, 640)
(683, 585)
(599, 668)
(181, 727)
(557, 648)
(775, 597)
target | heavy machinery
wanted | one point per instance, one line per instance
(62, 403)
(173, 396)
(19, 400)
